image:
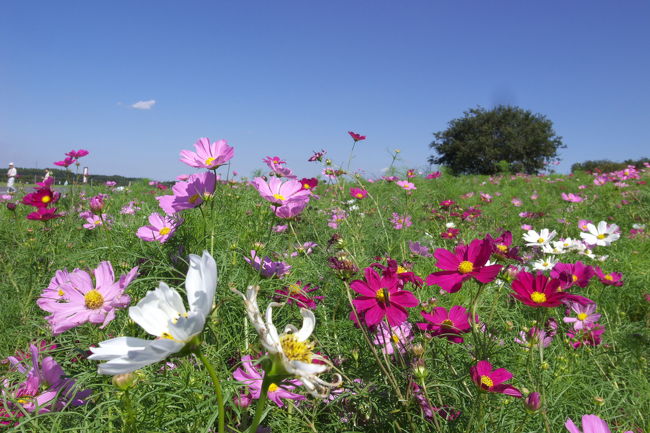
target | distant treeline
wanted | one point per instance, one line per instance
(32, 175)
(605, 165)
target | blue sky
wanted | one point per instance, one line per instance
(288, 77)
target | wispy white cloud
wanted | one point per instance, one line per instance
(144, 105)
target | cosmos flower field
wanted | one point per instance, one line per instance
(413, 302)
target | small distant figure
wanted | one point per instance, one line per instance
(11, 174)
(47, 175)
(86, 174)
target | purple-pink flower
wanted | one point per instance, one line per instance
(400, 221)
(161, 228)
(396, 337)
(267, 267)
(188, 194)
(584, 314)
(208, 155)
(251, 375)
(446, 324)
(590, 424)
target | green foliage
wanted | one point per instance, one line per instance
(477, 142)
(606, 166)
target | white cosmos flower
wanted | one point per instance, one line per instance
(603, 235)
(555, 248)
(535, 239)
(291, 351)
(545, 264)
(162, 314)
(450, 225)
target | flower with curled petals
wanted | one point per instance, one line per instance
(292, 354)
(162, 314)
(491, 380)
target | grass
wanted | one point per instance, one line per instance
(610, 380)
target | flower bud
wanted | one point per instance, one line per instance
(419, 369)
(417, 350)
(11, 206)
(533, 402)
(242, 400)
(124, 381)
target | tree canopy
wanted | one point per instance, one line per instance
(489, 141)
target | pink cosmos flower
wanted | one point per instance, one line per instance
(66, 162)
(43, 197)
(516, 202)
(399, 337)
(573, 274)
(467, 262)
(82, 301)
(208, 155)
(486, 197)
(130, 209)
(356, 137)
(611, 279)
(317, 156)
(290, 209)
(541, 291)
(280, 228)
(46, 387)
(252, 375)
(406, 185)
(590, 424)
(278, 192)
(44, 214)
(188, 194)
(336, 216)
(584, 314)
(492, 380)
(450, 233)
(94, 221)
(98, 202)
(277, 167)
(267, 267)
(358, 193)
(447, 324)
(399, 222)
(502, 246)
(571, 197)
(297, 293)
(582, 225)
(410, 173)
(381, 297)
(309, 184)
(77, 153)
(419, 249)
(434, 175)
(534, 338)
(182, 177)
(161, 228)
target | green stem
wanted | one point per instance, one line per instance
(130, 413)
(259, 408)
(217, 387)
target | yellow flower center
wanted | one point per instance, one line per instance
(538, 297)
(487, 381)
(582, 316)
(541, 240)
(98, 222)
(359, 195)
(46, 199)
(60, 292)
(93, 299)
(296, 350)
(395, 338)
(609, 277)
(465, 267)
(447, 324)
(194, 198)
(209, 161)
(167, 336)
(279, 197)
(382, 295)
(574, 278)
(294, 289)
(306, 186)
(273, 387)
(502, 248)
(601, 236)
(164, 231)
(401, 269)
(22, 401)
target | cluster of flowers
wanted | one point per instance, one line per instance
(72, 157)
(618, 178)
(43, 200)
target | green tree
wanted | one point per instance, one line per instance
(489, 141)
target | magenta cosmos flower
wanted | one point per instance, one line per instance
(278, 192)
(467, 262)
(590, 424)
(43, 197)
(381, 297)
(589, 335)
(251, 375)
(298, 294)
(66, 162)
(46, 388)
(44, 214)
(82, 301)
(77, 153)
(188, 194)
(492, 380)
(208, 155)
(542, 291)
(573, 274)
(161, 228)
(358, 193)
(446, 324)
(610, 279)
(356, 137)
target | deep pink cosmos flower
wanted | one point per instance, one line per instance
(358, 193)
(411, 173)
(590, 424)
(161, 228)
(450, 233)
(98, 202)
(356, 137)
(542, 291)
(403, 273)
(317, 156)
(188, 194)
(309, 184)
(467, 262)
(208, 155)
(573, 274)
(277, 167)
(44, 214)
(77, 153)
(434, 175)
(396, 337)
(446, 324)
(252, 375)
(297, 293)
(502, 246)
(46, 387)
(43, 197)
(611, 279)
(492, 381)
(278, 192)
(82, 301)
(66, 162)
(381, 297)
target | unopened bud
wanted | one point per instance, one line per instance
(417, 350)
(124, 381)
(599, 401)
(533, 402)
(11, 206)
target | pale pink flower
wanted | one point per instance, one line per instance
(208, 155)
